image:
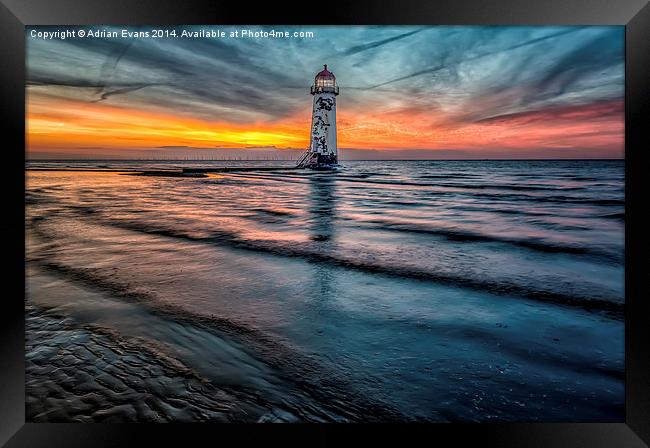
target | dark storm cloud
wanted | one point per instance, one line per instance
(210, 72)
(472, 72)
(592, 111)
(580, 75)
(593, 56)
(111, 61)
(104, 94)
(359, 48)
(453, 59)
(40, 80)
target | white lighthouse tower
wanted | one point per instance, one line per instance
(322, 153)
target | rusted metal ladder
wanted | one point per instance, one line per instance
(303, 158)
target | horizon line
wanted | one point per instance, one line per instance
(348, 160)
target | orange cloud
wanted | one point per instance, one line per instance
(61, 124)
(65, 123)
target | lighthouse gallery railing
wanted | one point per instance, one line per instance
(321, 89)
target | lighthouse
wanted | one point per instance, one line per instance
(322, 152)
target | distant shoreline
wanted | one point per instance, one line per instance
(351, 160)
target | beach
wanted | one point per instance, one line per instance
(82, 374)
(387, 291)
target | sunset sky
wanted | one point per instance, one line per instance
(406, 92)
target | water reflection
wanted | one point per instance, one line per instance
(322, 206)
(322, 211)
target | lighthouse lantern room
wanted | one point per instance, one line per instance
(322, 152)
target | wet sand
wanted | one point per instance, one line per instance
(84, 374)
(155, 366)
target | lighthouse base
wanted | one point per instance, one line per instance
(317, 161)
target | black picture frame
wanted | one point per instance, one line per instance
(15, 14)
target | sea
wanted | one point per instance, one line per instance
(384, 291)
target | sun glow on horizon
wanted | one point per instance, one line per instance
(75, 124)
